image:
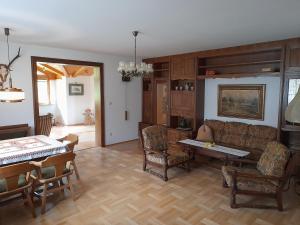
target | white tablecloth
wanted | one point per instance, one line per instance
(29, 148)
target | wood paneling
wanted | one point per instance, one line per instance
(183, 67)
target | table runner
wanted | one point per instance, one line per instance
(28, 148)
(218, 148)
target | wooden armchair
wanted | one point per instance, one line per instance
(71, 140)
(156, 153)
(45, 124)
(266, 180)
(52, 170)
(15, 182)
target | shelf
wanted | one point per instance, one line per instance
(241, 64)
(291, 128)
(239, 75)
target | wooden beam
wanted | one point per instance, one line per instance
(49, 74)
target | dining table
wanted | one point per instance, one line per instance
(29, 148)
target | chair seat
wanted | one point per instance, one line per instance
(21, 183)
(49, 172)
(250, 184)
(174, 157)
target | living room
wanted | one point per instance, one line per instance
(196, 112)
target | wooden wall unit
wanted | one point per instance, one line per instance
(270, 59)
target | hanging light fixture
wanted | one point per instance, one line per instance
(131, 69)
(10, 93)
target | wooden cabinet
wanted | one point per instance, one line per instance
(147, 106)
(182, 103)
(183, 67)
(292, 57)
(175, 135)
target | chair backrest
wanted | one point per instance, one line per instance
(155, 138)
(14, 131)
(10, 175)
(45, 124)
(274, 160)
(71, 140)
(59, 162)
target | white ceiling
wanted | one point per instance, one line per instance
(167, 26)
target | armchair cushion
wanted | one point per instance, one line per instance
(21, 183)
(173, 157)
(273, 161)
(249, 184)
(155, 138)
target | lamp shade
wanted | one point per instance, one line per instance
(292, 112)
(11, 95)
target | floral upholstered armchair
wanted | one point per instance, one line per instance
(155, 146)
(266, 180)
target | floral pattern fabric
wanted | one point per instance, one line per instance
(273, 160)
(173, 158)
(252, 138)
(250, 184)
(155, 138)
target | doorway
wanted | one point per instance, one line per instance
(72, 91)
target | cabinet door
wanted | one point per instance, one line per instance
(177, 68)
(187, 100)
(162, 102)
(147, 107)
(189, 67)
(176, 101)
(292, 57)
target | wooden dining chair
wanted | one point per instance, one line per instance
(45, 124)
(15, 183)
(71, 140)
(52, 170)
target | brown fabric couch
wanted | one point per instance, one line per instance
(252, 138)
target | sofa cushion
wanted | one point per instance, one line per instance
(217, 128)
(235, 134)
(263, 132)
(205, 134)
(258, 138)
(273, 161)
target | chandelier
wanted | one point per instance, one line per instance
(10, 93)
(131, 69)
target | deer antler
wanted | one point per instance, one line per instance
(14, 59)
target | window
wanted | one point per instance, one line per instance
(293, 88)
(43, 92)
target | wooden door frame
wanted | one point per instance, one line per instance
(99, 99)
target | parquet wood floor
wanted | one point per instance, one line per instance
(114, 191)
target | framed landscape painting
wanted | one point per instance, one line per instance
(76, 89)
(242, 101)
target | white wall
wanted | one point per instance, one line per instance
(78, 103)
(271, 99)
(115, 124)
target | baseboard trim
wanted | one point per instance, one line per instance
(122, 142)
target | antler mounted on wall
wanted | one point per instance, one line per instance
(6, 68)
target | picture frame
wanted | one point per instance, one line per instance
(242, 101)
(76, 89)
